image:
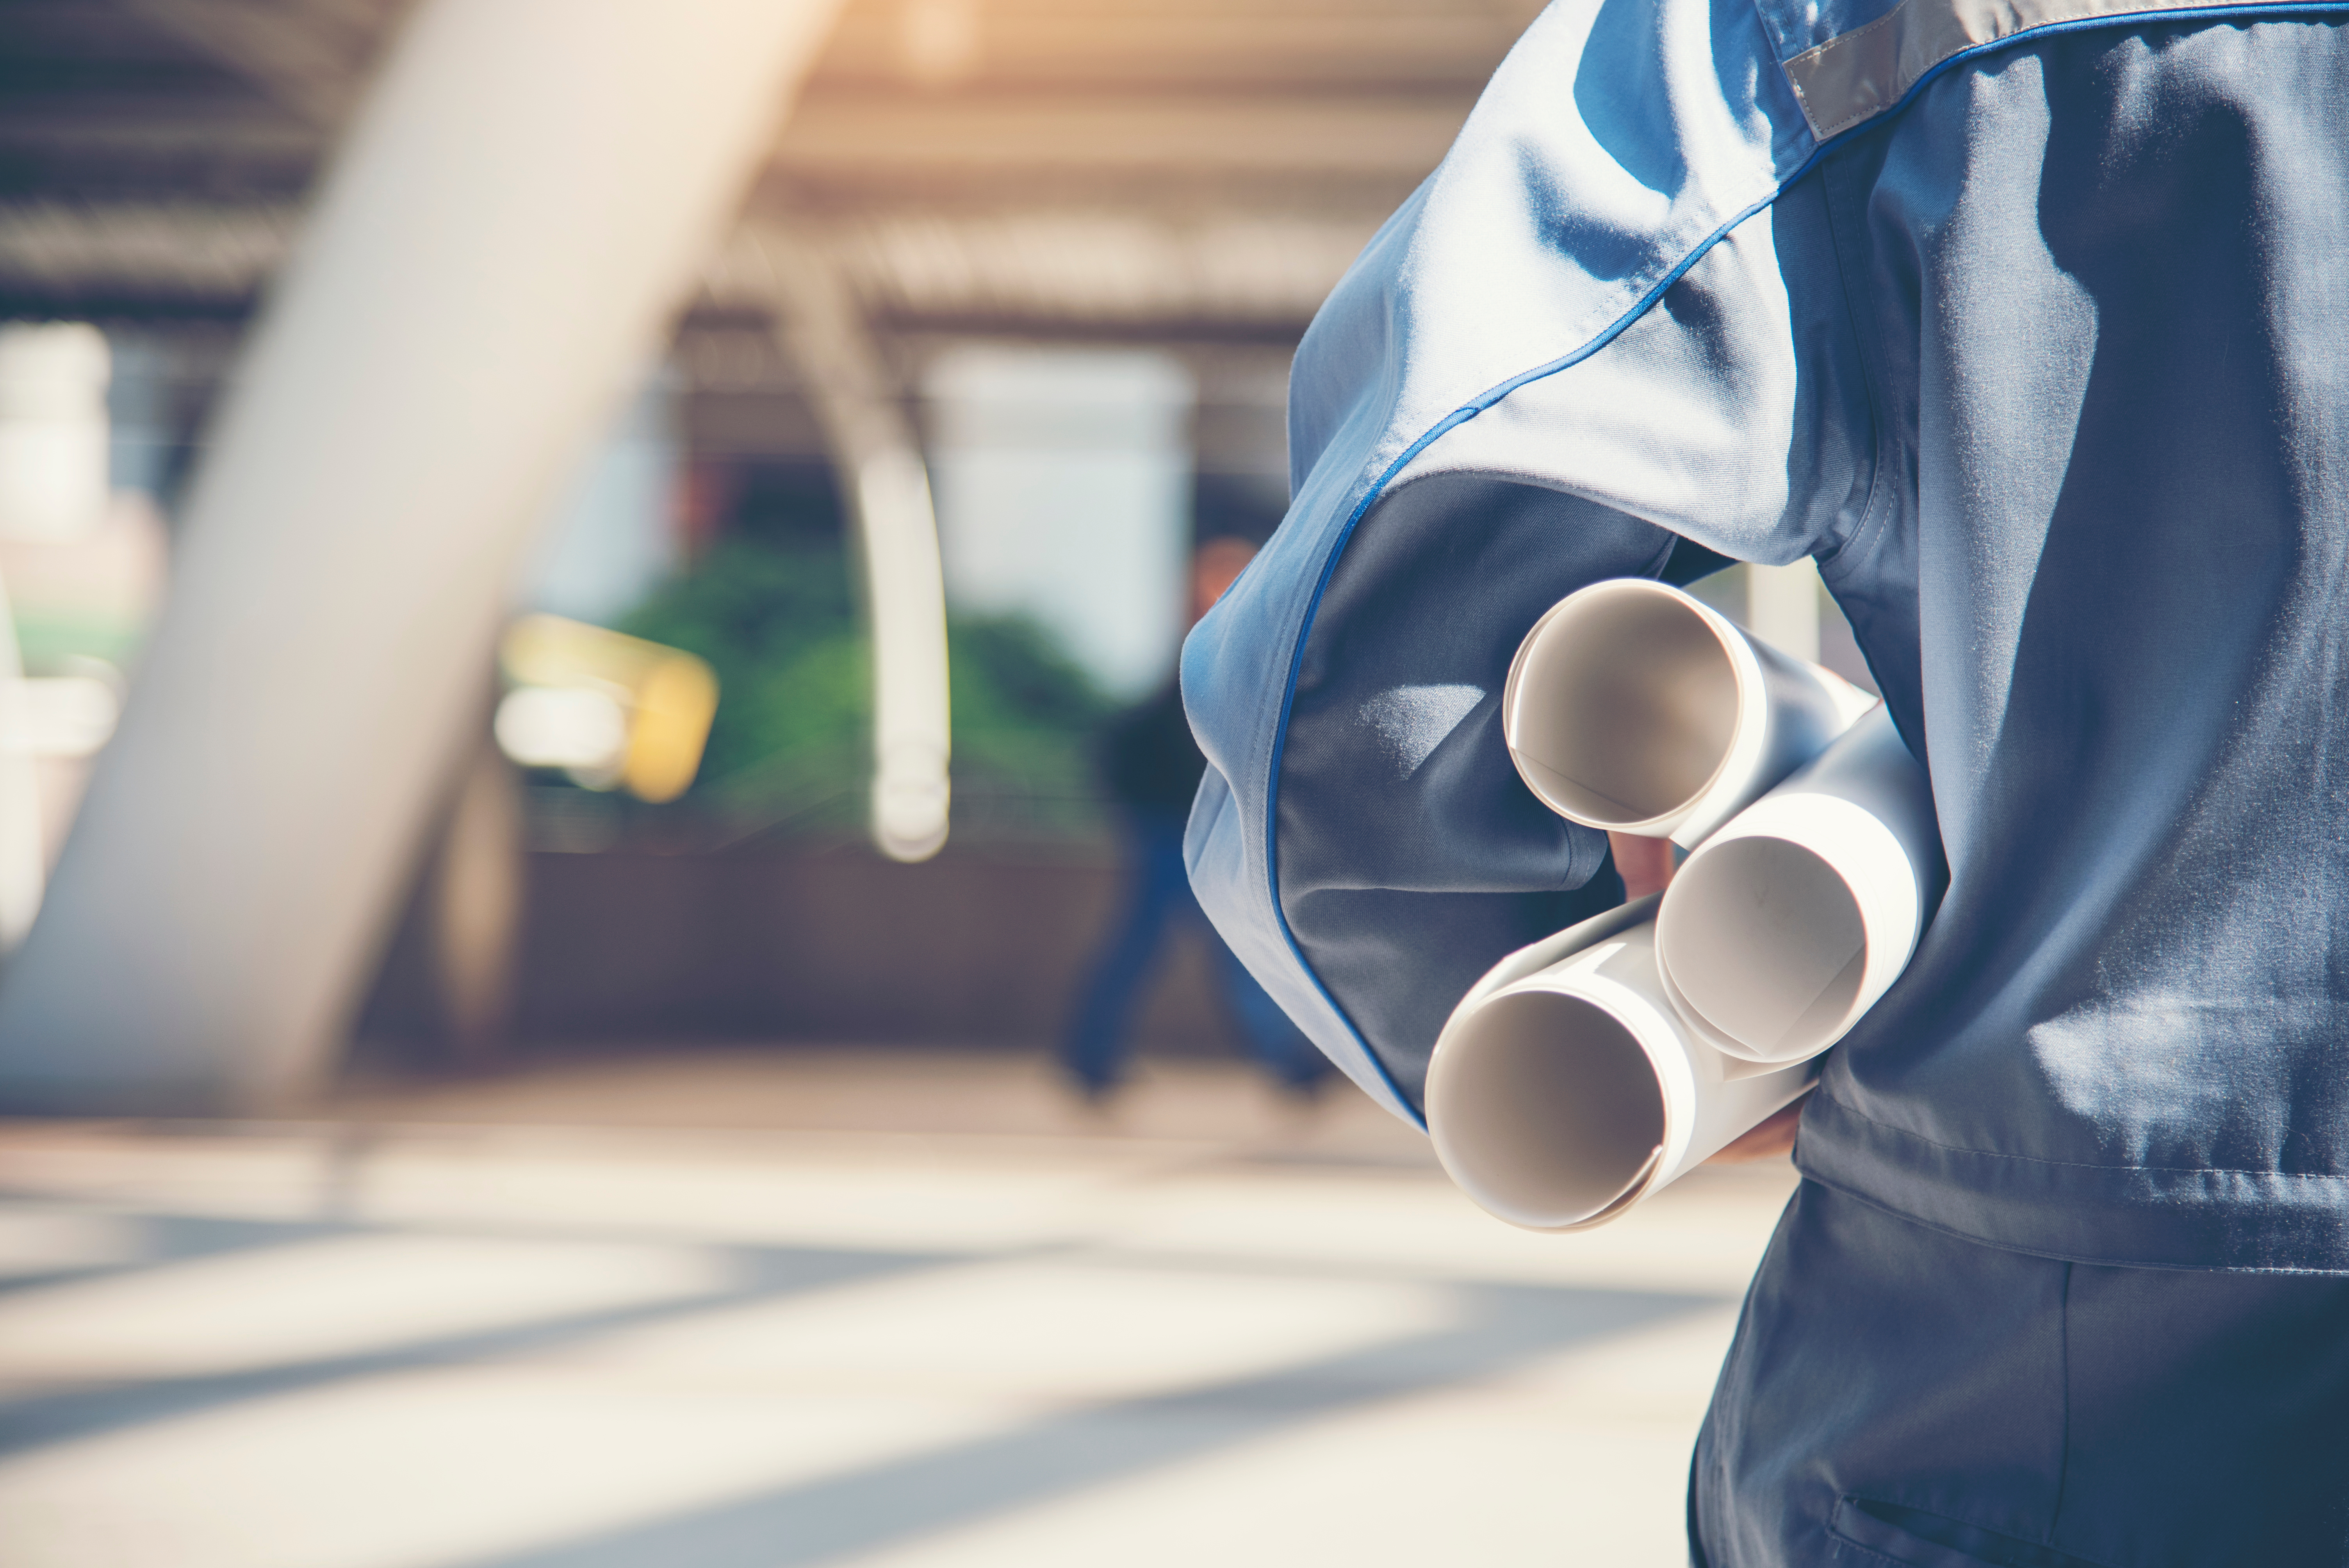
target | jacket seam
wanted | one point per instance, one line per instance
(1868, 349)
(2095, 1260)
(2083, 1164)
(2064, 1405)
(1853, 1498)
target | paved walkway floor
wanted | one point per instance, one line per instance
(753, 1310)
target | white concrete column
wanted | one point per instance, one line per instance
(477, 893)
(878, 465)
(53, 489)
(520, 204)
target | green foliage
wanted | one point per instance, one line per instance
(1019, 703)
(775, 619)
(777, 625)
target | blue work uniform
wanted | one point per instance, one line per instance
(2028, 320)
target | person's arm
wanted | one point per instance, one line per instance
(1645, 865)
(1771, 1140)
(1588, 341)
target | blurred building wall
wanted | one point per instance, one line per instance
(648, 948)
(1063, 485)
(614, 536)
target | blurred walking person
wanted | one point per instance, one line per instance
(1151, 767)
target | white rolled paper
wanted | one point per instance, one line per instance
(1564, 1088)
(1633, 707)
(1788, 923)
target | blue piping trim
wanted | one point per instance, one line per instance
(1639, 308)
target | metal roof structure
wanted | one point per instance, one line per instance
(1189, 172)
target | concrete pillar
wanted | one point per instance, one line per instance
(520, 204)
(882, 477)
(54, 490)
(476, 892)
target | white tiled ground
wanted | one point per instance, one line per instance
(890, 1310)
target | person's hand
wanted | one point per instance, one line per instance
(1773, 1139)
(1644, 865)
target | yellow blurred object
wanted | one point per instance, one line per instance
(667, 695)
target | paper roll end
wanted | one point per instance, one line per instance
(1544, 1108)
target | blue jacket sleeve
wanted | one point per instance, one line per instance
(1609, 322)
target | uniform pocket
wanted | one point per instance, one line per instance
(1865, 1531)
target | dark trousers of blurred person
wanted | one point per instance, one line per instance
(1159, 902)
(1151, 766)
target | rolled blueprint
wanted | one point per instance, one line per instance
(1632, 707)
(1786, 924)
(1564, 1088)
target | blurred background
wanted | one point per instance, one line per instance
(547, 1118)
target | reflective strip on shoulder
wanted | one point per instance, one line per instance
(1859, 75)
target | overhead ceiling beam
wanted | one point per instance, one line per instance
(116, 126)
(307, 65)
(1259, 46)
(177, 249)
(1082, 266)
(852, 136)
